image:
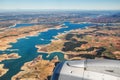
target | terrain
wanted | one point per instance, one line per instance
(90, 43)
(95, 42)
(57, 17)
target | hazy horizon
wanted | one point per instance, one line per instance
(59, 5)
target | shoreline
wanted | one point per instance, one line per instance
(56, 39)
(13, 39)
(6, 57)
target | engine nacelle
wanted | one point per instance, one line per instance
(87, 70)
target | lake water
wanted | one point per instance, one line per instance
(21, 25)
(28, 51)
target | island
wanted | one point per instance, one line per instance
(8, 56)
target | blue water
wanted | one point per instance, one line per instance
(23, 25)
(28, 51)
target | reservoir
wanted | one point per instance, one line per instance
(21, 25)
(27, 50)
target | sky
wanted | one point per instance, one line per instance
(61, 4)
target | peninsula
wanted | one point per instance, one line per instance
(92, 42)
(37, 69)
